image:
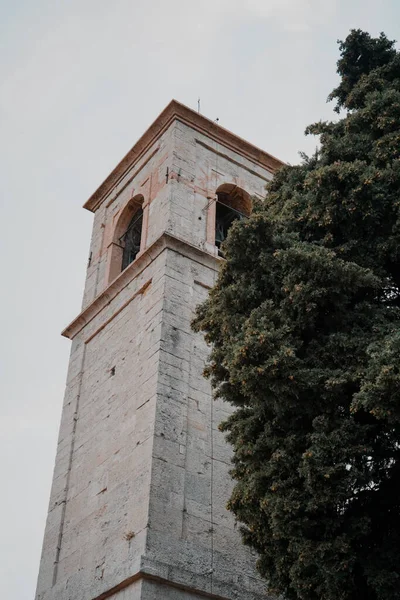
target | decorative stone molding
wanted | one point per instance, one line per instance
(177, 111)
(165, 241)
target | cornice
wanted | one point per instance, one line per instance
(177, 111)
(165, 241)
(193, 583)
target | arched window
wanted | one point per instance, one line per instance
(232, 203)
(126, 237)
(130, 240)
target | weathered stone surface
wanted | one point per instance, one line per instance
(141, 475)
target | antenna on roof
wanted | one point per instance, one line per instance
(198, 105)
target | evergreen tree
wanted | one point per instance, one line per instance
(304, 323)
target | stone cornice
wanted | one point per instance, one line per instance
(177, 111)
(165, 241)
(194, 584)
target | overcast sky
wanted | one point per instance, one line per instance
(80, 81)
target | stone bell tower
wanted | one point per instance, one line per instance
(137, 507)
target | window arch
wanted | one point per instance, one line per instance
(127, 237)
(232, 203)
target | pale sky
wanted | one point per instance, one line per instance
(80, 81)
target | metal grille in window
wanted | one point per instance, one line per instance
(225, 216)
(130, 241)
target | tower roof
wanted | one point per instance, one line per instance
(177, 111)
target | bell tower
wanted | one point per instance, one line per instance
(137, 507)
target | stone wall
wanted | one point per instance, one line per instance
(99, 504)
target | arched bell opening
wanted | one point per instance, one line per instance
(131, 239)
(232, 203)
(127, 237)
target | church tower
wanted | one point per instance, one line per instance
(137, 508)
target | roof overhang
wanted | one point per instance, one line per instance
(177, 111)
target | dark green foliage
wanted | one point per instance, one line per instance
(304, 323)
(360, 55)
